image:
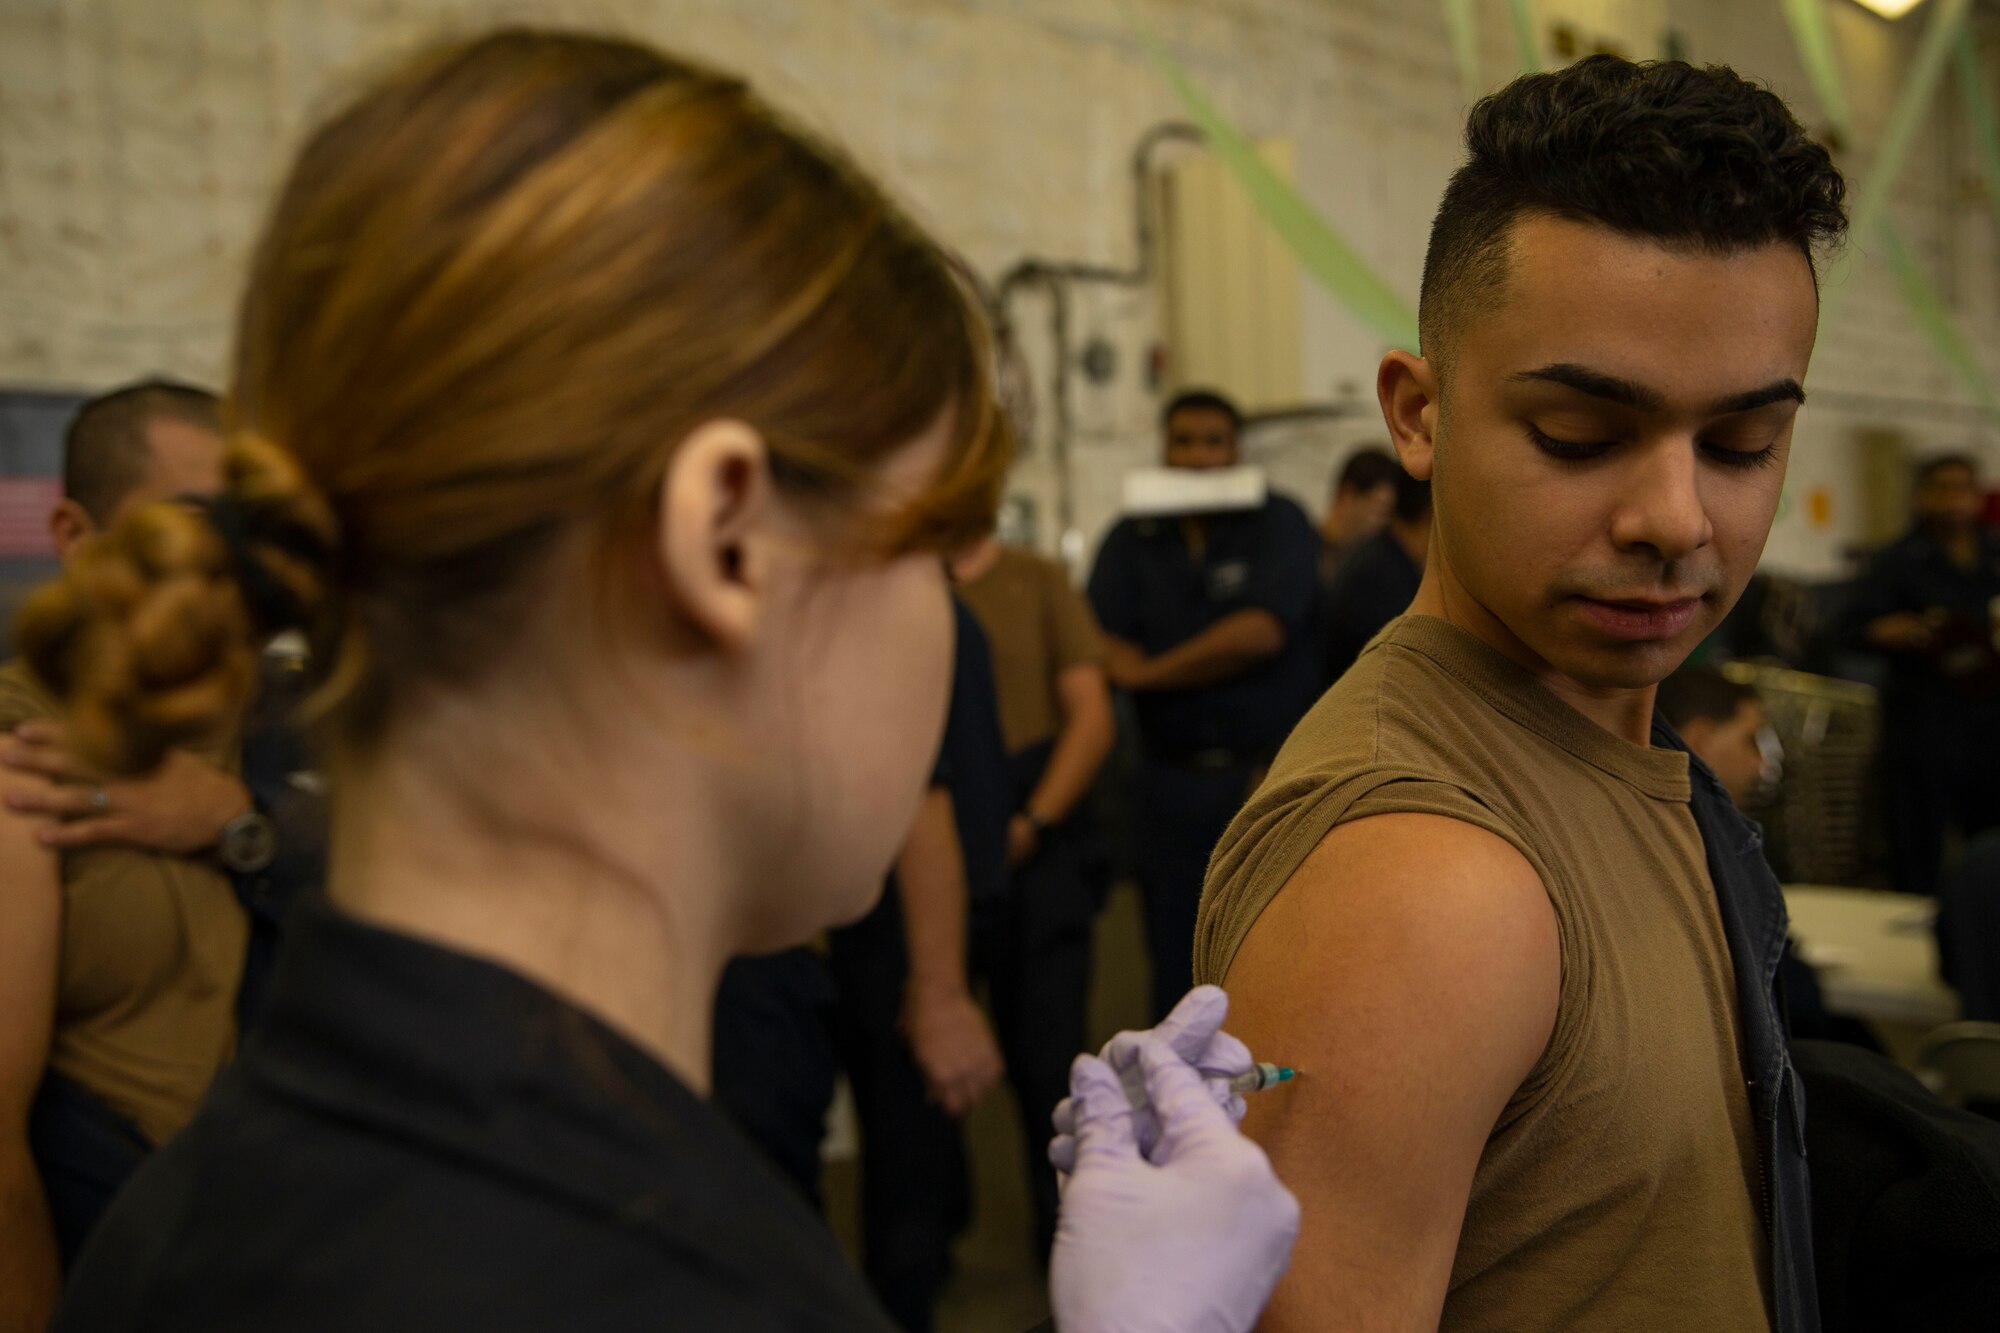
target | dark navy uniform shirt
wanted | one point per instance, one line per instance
(420, 1140)
(1149, 589)
(1914, 573)
(973, 765)
(1752, 910)
(1376, 583)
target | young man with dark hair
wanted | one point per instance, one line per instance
(153, 439)
(1208, 625)
(1522, 949)
(124, 1023)
(1722, 722)
(1219, 437)
(1364, 495)
(148, 441)
(1377, 583)
(1058, 727)
(1929, 603)
(262, 822)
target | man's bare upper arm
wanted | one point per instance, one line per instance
(1410, 969)
(30, 945)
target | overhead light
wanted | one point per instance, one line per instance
(1889, 9)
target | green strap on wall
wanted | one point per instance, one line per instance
(1814, 38)
(1978, 100)
(1334, 263)
(1526, 48)
(1312, 240)
(1870, 222)
(1322, 250)
(1913, 102)
(1462, 20)
(1928, 308)
(1465, 46)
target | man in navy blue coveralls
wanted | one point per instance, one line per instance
(786, 1023)
(1207, 622)
(1925, 604)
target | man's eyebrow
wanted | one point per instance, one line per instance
(1625, 393)
(1777, 391)
(1595, 383)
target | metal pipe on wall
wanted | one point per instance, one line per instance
(1054, 277)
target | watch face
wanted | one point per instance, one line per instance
(250, 843)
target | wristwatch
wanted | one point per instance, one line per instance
(248, 843)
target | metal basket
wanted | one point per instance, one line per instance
(1823, 824)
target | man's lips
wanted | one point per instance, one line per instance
(1641, 619)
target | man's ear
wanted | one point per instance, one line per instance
(714, 516)
(1407, 387)
(68, 525)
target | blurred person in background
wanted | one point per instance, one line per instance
(123, 941)
(1364, 496)
(918, 1050)
(775, 1013)
(622, 678)
(1725, 726)
(1056, 724)
(1968, 930)
(260, 816)
(889, 998)
(1376, 583)
(1209, 626)
(1929, 604)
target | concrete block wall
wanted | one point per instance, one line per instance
(141, 139)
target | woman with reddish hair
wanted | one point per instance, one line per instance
(604, 433)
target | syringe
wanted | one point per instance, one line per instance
(1257, 1078)
(1254, 1079)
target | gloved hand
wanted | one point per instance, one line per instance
(1191, 1241)
(1194, 1032)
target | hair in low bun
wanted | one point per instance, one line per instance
(150, 637)
(497, 290)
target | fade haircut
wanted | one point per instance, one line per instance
(1928, 469)
(1365, 469)
(1695, 158)
(105, 451)
(1202, 400)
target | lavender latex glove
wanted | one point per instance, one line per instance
(1190, 1241)
(1193, 1031)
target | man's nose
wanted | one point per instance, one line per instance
(1661, 506)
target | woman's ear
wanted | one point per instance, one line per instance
(1407, 386)
(715, 511)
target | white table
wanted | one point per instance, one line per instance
(1875, 952)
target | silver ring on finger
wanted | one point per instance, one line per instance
(100, 801)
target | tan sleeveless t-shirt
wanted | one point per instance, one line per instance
(152, 954)
(1621, 1187)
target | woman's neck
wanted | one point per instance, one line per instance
(559, 899)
